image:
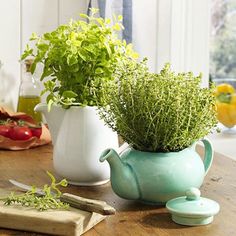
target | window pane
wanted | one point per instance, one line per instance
(223, 39)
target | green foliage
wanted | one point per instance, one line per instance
(158, 112)
(80, 57)
(31, 199)
(223, 43)
(223, 56)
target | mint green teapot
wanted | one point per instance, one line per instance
(157, 177)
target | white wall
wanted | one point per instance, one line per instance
(9, 49)
(175, 31)
(18, 19)
(145, 30)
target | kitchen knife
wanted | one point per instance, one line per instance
(75, 201)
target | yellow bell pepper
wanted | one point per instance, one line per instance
(226, 114)
(233, 99)
(226, 104)
(224, 88)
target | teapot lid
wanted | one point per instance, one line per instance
(192, 209)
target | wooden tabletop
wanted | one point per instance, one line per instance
(132, 218)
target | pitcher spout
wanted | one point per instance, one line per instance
(54, 118)
(41, 107)
(123, 179)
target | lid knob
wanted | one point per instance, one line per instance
(193, 194)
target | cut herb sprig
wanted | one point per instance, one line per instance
(48, 200)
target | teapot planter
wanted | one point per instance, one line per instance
(78, 136)
(157, 177)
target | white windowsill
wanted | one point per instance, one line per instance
(224, 143)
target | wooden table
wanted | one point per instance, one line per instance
(132, 218)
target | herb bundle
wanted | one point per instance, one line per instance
(158, 112)
(50, 199)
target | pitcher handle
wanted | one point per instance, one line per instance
(122, 148)
(208, 156)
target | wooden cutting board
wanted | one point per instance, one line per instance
(58, 222)
(71, 222)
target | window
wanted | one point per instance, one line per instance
(223, 41)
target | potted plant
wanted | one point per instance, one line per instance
(80, 58)
(161, 116)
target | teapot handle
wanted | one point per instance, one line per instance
(208, 156)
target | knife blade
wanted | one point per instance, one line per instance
(26, 187)
(75, 201)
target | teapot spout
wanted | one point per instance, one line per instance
(123, 179)
(110, 155)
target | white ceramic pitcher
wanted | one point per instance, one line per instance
(78, 137)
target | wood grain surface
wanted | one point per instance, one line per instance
(132, 218)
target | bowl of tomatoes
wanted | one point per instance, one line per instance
(19, 131)
(225, 94)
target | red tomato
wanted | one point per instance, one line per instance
(36, 131)
(20, 133)
(5, 130)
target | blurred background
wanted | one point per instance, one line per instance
(223, 39)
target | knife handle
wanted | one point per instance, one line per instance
(87, 204)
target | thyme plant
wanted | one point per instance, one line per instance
(79, 57)
(158, 112)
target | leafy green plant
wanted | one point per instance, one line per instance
(158, 112)
(79, 57)
(50, 199)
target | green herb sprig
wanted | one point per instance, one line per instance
(158, 112)
(50, 199)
